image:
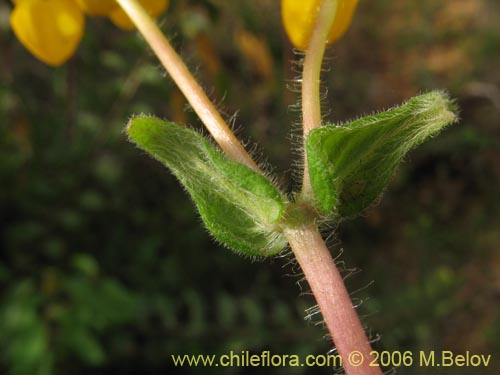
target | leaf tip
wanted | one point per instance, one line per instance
(136, 125)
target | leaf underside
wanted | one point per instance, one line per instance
(350, 165)
(239, 207)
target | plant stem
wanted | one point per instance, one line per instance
(336, 306)
(195, 95)
(308, 246)
(311, 106)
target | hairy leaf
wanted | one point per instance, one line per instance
(240, 207)
(350, 165)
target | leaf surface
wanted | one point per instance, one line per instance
(240, 207)
(350, 165)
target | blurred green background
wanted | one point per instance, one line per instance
(104, 266)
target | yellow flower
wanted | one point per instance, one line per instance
(299, 19)
(153, 7)
(52, 29)
(97, 7)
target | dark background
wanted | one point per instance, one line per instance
(104, 266)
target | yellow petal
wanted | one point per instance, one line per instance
(299, 19)
(49, 29)
(153, 7)
(97, 7)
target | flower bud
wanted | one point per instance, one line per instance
(299, 18)
(50, 30)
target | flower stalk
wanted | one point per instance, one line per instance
(311, 104)
(307, 244)
(195, 95)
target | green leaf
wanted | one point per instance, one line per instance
(350, 165)
(240, 207)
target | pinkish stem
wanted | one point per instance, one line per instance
(336, 306)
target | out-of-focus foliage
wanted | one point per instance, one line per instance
(104, 266)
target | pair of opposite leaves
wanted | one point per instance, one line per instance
(349, 167)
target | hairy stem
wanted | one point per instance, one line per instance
(195, 95)
(311, 106)
(333, 300)
(307, 244)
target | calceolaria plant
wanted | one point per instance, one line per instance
(346, 166)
